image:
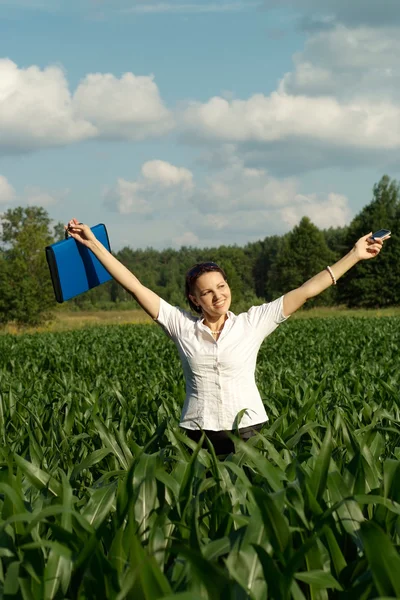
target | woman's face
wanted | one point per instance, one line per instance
(212, 294)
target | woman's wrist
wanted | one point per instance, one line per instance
(354, 254)
(95, 246)
(343, 265)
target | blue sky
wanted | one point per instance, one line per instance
(197, 123)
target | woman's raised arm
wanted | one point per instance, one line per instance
(365, 248)
(148, 300)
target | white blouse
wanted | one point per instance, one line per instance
(220, 374)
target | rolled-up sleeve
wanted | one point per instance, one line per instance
(266, 317)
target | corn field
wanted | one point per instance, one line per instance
(103, 497)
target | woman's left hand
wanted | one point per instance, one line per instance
(367, 247)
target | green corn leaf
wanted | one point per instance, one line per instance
(391, 479)
(11, 582)
(320, 472)
(272, 474)
(25, 589)
(147, 581)
(275, 524)
(16, 501)
(393, 507)
(319, 579)
(213, 578)
(109, 440)
(293, 441)
(91, 460)
(144, 482)
(348, 511)
(39, 478)
(99, 505)
(217, 548)
(278, 584)
(168, 481)
(183, 596)
(187, 480)
(383, 559)
(335, 552)
(117, 555)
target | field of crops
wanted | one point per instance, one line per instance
(101, 497)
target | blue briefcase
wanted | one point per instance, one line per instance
(74, 269)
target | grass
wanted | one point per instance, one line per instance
(68, 321)
(64, 320)
(343, 311)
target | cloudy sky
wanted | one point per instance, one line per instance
(198, 122)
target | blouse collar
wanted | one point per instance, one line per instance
(230, 315)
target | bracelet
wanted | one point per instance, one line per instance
(332, 275)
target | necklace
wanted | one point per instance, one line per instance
(216, 331)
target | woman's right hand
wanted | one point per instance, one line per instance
(147, 299)
(80, 232)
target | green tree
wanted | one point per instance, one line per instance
(263, 256)
(27, 294)
(336, 239)
(302, 254)
(6, 290)
(376, 283)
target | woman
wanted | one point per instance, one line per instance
(218, 349)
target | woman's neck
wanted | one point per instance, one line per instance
(215, 323)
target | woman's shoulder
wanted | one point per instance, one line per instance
(177, 313)
(174, 320)
(271, 311)
(187, 315)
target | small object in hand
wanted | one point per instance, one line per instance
(382, 234)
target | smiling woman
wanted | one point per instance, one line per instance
(217, 348)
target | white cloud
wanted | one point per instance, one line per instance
(128, 197)
(339, 106)
(37, 196)
(251, 204)
(188, 238)
(31, 195)
(125, 108)
(167, 175)
(239, 188)
(38, 110)
(347, 63)
(281, 116)
(160, 186)
(234, 204)
(333, 211)
(237, 226)
(7, 192)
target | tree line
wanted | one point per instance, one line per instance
(257, 272)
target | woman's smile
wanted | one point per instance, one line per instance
(219, 304)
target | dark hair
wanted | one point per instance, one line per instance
(192, 276)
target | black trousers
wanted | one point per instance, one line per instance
(220, 440)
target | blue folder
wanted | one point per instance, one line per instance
(74, 269)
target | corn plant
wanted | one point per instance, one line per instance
(102, 496)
